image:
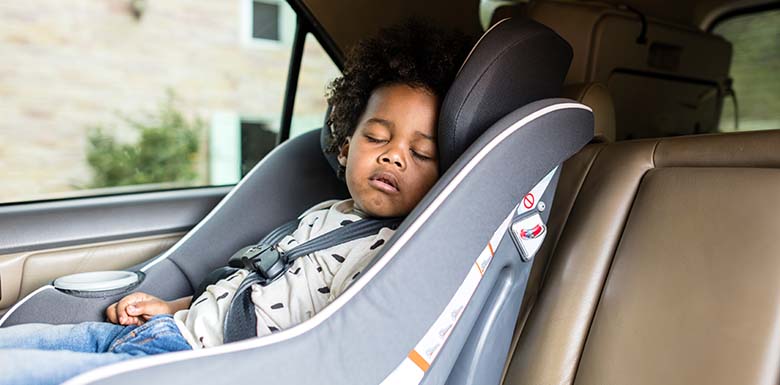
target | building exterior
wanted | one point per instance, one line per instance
(70, 66)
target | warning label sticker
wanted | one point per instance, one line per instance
(530, 200)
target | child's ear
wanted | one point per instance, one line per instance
(342, 157)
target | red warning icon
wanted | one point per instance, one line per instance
(528, 201)
(532, 233)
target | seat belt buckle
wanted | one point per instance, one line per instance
(267, 261)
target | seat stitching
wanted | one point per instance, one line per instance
(566, 220)
(609, 268)
(652, 156)
(186, 276)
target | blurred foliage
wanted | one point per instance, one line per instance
(755, 67)
(165, 150)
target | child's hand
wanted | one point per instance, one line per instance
(137, 308)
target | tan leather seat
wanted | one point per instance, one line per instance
(664, 258)
(597, 97)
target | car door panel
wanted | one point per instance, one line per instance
(45, 240)
(22, 273)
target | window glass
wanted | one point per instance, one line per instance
(106, 97)
(257, 140)
(265, 20)
(317, 71)
(755, 66)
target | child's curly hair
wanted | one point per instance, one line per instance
(413, 53)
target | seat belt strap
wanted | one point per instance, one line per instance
(241, 320)
(266, 264)
(274, 237)
(343, 234)
(269, 262)
(280, 232)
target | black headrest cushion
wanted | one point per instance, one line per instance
(516, 62)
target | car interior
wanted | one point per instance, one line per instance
(656, 261)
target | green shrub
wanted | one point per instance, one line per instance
(164, 152)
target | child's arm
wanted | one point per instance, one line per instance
(137, 308)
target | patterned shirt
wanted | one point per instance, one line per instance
(311, 283)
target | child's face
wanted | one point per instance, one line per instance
(391, 160)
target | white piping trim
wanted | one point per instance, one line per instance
(339, 302)
(28, 296)
(211, 214)
(477, 44)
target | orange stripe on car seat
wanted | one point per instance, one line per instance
(490, 247)
(481, 272)
(419, 361)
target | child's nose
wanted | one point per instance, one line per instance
(393, 157)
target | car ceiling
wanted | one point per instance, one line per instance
(346, 21)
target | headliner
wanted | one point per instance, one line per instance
(365, 17)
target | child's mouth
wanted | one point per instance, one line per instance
(384, 182)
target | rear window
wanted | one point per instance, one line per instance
(755, 67)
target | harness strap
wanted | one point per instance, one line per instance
(267, 264)
(241, 320)
(343, 234)
(280, 232)
(272, 238)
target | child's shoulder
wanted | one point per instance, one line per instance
(322, 206)
(331, 214)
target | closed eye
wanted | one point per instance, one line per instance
(371, 139)
(421, 156)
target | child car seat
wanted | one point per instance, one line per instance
(452, 273)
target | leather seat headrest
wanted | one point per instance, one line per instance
(597, 97)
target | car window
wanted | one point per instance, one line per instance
(317, 70)
(754, 67)
(310, 103)
(105, 97)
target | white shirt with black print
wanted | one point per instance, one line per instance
(312, 282)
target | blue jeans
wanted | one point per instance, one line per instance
(51, 354)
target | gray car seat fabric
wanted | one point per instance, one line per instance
(364, 335)
(265, 198)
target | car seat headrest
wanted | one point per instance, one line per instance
(516, 62)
